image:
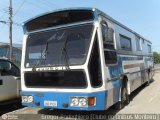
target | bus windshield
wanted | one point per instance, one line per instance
(46, 48)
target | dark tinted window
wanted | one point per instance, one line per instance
(60, 79)
(8, 69)
(149, 48)
(110, 57)
(138, 47)
(125, 43)
(4, 65)
(76, 41)
(104, 27)
(59, 18)
(108, 44)
(15, 71)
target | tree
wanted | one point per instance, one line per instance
(156, 57)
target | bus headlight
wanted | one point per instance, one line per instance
(74, 101)
(82, 101)
(24, 99)
(30, 99)
(27, 99)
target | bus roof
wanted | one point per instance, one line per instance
(58, 10)
(96, 13)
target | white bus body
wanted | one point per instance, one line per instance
(81, 59)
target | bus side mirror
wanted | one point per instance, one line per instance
(110, 35)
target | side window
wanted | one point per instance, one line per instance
(104, 30)
(110, 57)
(8, 69)
(4, 67)
(149, 48)
(110, 54)
(125, 43)
(138, 46)
(15, 71)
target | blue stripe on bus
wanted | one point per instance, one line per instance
(64, 97)
(116, 70)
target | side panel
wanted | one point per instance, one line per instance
(135, 71)
(132, 63)
(113, 92)
(133, 67)
(8, 88)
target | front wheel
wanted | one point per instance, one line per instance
(124, 99)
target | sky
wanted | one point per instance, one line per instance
(142, 16)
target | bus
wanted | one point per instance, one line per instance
(82, 59)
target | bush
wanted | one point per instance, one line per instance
(156, 57)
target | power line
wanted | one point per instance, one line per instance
(52, 3)
(8, 22)
(4, 22)
(2, 16)
(42, 4)
(6, 11)
(47, 4)
(19, 7)
(17, 24)
(32, 3)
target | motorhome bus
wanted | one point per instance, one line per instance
(82, 59)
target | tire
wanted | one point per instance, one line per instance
(149, 78)
(124, 99)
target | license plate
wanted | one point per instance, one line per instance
(50, 103)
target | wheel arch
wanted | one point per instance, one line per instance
(126, 83)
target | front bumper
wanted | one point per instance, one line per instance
(63, 100)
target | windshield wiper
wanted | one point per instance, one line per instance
(64, 52)
(34, 67)
(44, 53)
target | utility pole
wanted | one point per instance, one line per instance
(10, 30)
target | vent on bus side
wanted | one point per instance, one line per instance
(95, 66)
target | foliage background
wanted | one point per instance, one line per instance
(156, 57)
